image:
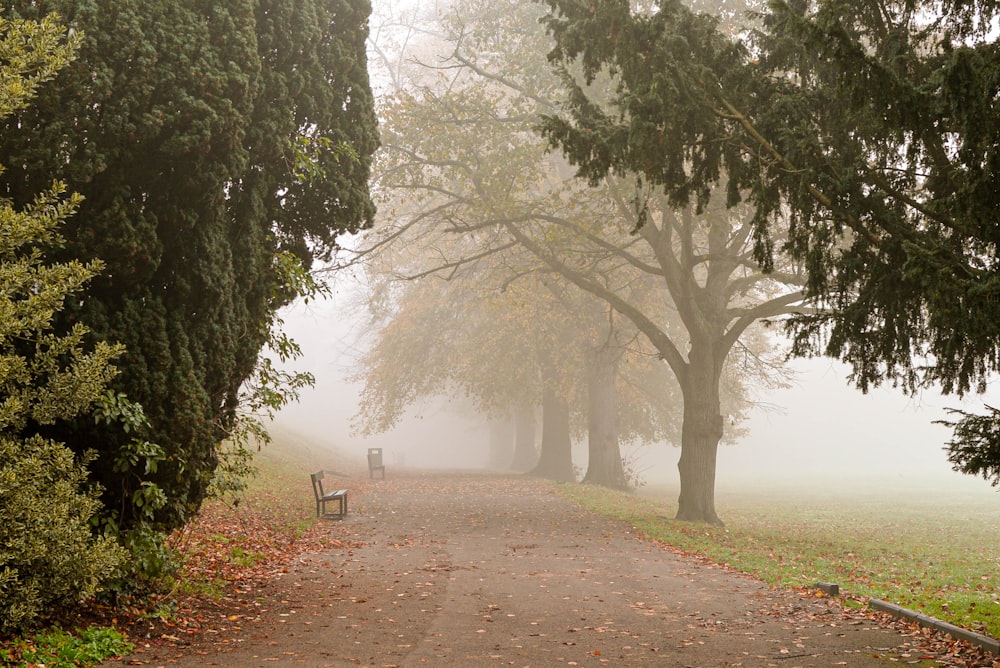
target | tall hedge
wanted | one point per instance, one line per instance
(207, 137)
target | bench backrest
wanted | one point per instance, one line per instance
(317, 481)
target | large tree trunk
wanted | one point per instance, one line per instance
(700, 436)
(604, 466)
(556, 459)
(501, 443)
(525, 451)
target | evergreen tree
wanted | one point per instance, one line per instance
(208, 138)
(872, 124)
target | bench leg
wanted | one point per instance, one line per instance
(341, 507)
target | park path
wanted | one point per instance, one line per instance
(467, 570)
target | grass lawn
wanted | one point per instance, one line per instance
(938, 554)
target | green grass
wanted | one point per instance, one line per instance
(246, 558)
(213, 589)
(56, 648)
(938, 556)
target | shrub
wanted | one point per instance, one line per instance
(48, 553)
(49, 556)
(59, 649)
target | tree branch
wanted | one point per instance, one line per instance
(660, 340)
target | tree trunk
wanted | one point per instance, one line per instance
(501, 443)
(604, 466)
(525, 451)
(700, 436)
(556, 459)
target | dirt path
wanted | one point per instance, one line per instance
(479, 571)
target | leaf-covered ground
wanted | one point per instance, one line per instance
(261, 576)
(233, 553)
(451, 569)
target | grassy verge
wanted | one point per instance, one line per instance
(939, 557)
(239, 534)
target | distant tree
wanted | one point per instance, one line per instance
(685, 278)
(48, 553)
(211, 140)
(449, 163)
(508, 341)
(439, 338)
(872, 124)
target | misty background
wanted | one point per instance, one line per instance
(820, 434)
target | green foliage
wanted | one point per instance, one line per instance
(31, 53)
(975, 445)
(869, 129)
(208, 139)
(150, 559)
(48, 555)
(61, 649)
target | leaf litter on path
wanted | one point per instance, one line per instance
(459, 569)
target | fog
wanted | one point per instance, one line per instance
(331, 337)
(820, 434)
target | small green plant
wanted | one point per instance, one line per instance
(246, 558)
(151, 561)
(59, 649)
(633, 476)
(213, 589)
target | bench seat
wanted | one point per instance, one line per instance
(323, 497)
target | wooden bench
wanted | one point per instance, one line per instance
(340, 496)
(375, 462)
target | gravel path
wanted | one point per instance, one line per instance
(466, 570)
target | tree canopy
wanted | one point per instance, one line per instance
(460, 158)
(463, 151)
(871, 125)
(207, 139)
